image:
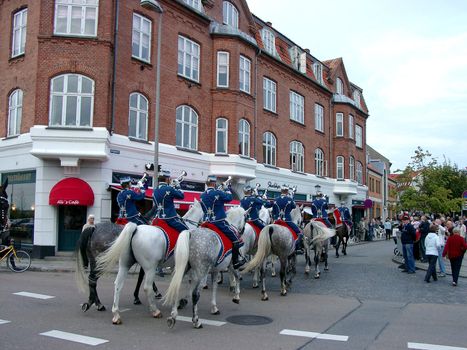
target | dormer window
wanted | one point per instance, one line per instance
(356, 97)
(196, 4)
(318, 72)
(230, 14)
(269, 41)
(339, 86)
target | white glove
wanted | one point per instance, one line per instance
(264, 197)
(176, 183)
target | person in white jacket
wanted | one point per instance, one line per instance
(431, 245)
(442, 243)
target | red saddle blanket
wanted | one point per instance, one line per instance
(283, 223)
(226, 243)
(256, 228)
(121, 221)
(170, 235)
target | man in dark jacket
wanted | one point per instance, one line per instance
(424, 229)
(407, 239)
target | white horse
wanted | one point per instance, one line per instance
(278, 240)
(198, 250)
(147, 246)
(316, 237)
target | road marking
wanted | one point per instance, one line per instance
(421, 346)
(74, 337)
(314, 335)
(203, 321)
(34, 295)
(124, 310)
(4, 321)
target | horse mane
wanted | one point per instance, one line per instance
(296, 215)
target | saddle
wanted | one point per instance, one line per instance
(170, 235)
(226, 243)
(121, 221)
(283, 223)
(256, 228)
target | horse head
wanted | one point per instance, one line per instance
(296, 215)
(236, 216)
(194, 215)
(265, 214)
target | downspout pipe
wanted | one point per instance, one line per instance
(255, 116)
(114, 67)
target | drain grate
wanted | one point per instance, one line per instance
(249, 320)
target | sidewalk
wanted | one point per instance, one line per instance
(424, 266)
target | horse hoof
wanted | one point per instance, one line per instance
(137, 301)
(198, 326)
(117, 321)
(217, 312)
(182, 303)
(171, 322)
(326, 269)
(273, 274)
(236, 301)
(205, 287)
(316, 277)
(256, 286)
(101, 308)
(85, 307)
(284, 293)
(307, 273)
(158, 296)
(157, 314)
(265, 297)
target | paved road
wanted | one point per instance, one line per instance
(363, 302)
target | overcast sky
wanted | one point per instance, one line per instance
(408, 56)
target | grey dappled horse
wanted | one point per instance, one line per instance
(196, 254)
(316, 237)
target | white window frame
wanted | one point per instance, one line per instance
(196, 4)
(297, 107)
(352, 168)
(269, 41)
(319, 117)
(139, 36)
(68, 5)
(189, 54)
(64, 96)
(269, 94)
(339, 86)
(359, 173)
(15, 112)
(187, 121)
(297, 156)
(245, 74)
(358, 136)
(318, 72)
(18, 37)
(140, 115)
(319, 162)
(223, 66)
(269, 148)
(339, 124)
(230, 14)
(340, 168)
(244, 137)
(351, 127)
(222, 130)
(356, 97)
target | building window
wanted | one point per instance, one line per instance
(20, 20)
(339, 86)
(352, 168)
(351, 133)
(141, 41)
(319, 162)
(297, 158)
(340, 168)
(15, 110)
(318, 72)
(269, 149)
(339, 124)
(359, 173)
(356, 97)
(230, 14)
(76, 17)
(187, 128)
(138, 117)
(221, 135)
(245, 74)
(244, 138)
(71, 101)
(297, 107)
(269, 41)
(358, 136)
(269, 95)
(222, 69)
(319, 117)
(196, 4)
(188, 58)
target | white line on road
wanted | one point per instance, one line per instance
(124, 310)
(314, 335)
(4, 321)
(34, 295)
(203, 321)
(74, 337)
(421, 346)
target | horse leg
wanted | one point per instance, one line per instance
(150, 294)
(344, 245)
(137, 301)
(337, 246)
(307, 260)
(255, 277)
(317, 259)
(282, 274)
(92, 281)
(292, 271)
(122, 273)
(325, 254)
(236, 297)
(262, 272)
(195, 298)
(214, 309)
(273, 268)
(231, 280)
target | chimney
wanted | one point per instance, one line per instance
(269, 24)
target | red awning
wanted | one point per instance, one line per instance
(71, 191)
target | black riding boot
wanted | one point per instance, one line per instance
(299, 247)
(237, 260)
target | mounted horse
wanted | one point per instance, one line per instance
(4, 205)
(342, 231)
(199, 252)
(279, 240)
(316, 237)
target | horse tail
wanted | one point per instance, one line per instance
(110, 257)
(82, 260)
(323, 232)
(264, 248)
(182, 250)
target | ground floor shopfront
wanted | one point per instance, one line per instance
(58, 177)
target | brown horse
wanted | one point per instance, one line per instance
(342, 231)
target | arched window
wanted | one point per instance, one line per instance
(352, 168)
(244, 138)
(297, 158)
(230, 14)
(339, 86)
(138, 117)
(359, 173)
(269, 41)
(221, 135)
(340, 168)
(319, 162)
(187, 127)
(269, 148)
(71, 101)
(15, 110)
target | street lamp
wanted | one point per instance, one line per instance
(154, 5)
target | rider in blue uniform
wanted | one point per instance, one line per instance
(319, 209)
(163, 198)
(255, 203)
(212, 202)
(126, 201)
(345, 214)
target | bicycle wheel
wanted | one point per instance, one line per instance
(20, 262)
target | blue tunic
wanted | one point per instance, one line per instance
(163, 198)
(345, 214)
(126, 201)
(319, 209)
(281, 208)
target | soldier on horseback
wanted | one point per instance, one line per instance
(254, 202)
(126, 200)
(345, 215)
(212, 202)
(319, 209)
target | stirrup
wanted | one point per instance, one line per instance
(241, 261)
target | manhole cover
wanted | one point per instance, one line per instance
(249, 320)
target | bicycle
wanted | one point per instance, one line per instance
(16, 260)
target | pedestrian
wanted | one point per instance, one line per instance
(431, 244)
(89, 222)
(424, 229)
(454, 250)
(388, 228)
(407, 240)
(442, 243)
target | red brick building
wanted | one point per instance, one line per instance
(237, 98)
